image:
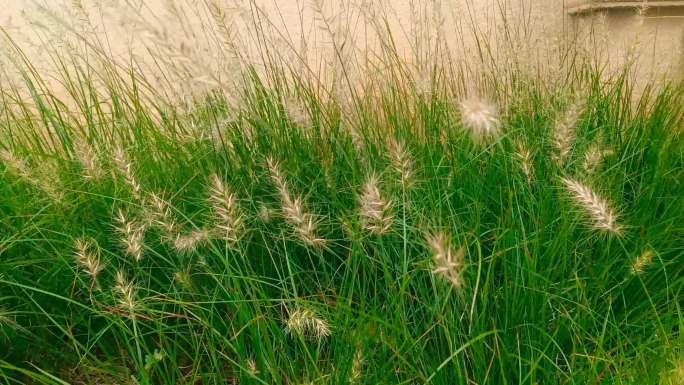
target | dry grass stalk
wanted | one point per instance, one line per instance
(449, 262)
(303, 223)
(375, 209)
(602, 214)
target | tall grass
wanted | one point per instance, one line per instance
(473, 227)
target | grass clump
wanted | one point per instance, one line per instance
(402, 234)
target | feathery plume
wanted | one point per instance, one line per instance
(564, 132)
(187, 243)
(674, 376)
(593, 158)
(88, 158)
(401, 160)
(375, 209)
(159, 214)
(306, 323)
(126, 292)
(356, 370)
(296, 111)
(601, 212)
(88, 259)
(229, 220)
(251, 366)
(525, 157)
(449, 262)
(265, 214)
(16, 165)
(132, 236)
(44, 180)
(125, 168)
(481, 117)
(641, 262)
(303, 223)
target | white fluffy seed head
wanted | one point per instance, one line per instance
(126, 292)
(306, 323)
(159, 214)
(125, 169)
(89, 160)
(524, 156)
(449, 262)
(132, 235)
(87, 256)
(189, 242)
(401, 160)
(375, 210)
(304, 223)
(603, 216)
(564, 132)
(481, 118)
(44, 178)
(227, 216)
(594, 157)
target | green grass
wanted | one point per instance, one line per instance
(543, 297)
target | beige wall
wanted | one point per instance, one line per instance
(651, 38)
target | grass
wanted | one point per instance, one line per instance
(405, 235)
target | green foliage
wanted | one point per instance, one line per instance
(544, 298)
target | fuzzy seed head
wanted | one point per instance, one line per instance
(15, 164)
(564, 132)
(88, 158)
(641, 262)
(132, 236)
(449, 262)
(125, 291)
(375, 209)
(296, 111)
(251, 366)
(603, 216)
(125, 169)
(227, 215)
(188, 243)
(594, 157)
(524, 156)
(43, 178)
(160, 215)
(306, 323)
(304, 223)
(401, 160)
(87, 258)
(356, 371)
(481, 118)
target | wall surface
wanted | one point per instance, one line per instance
(646, 34)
